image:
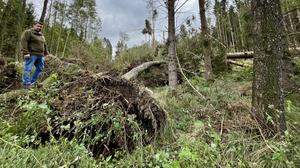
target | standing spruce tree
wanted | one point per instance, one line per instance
(147, 30)
(206, 42)
(172, 45)
(270, 47)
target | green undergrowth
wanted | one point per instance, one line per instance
(135, 56)
(212, 132)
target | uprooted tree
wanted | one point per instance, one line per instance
(105, 114)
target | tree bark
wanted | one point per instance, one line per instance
(137, 70)
(172, 45)
(240, 24)
(153, 23)
(206, 42)
(231, 33)
(269, 51)
(250, 54)
(42, 18)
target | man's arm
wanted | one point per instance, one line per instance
(25, 42)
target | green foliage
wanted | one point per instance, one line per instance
(28, 117)
(219, 60)
(134, 56)
(59, 154)
(13, 20)
(296, 77)
(192, 138)
(50, 81)
(189, 52)
(32, 119)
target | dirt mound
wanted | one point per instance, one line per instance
(106, 114)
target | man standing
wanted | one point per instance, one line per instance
(33, 48)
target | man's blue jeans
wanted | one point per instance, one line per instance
(39, 63)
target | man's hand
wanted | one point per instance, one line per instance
(27, 56)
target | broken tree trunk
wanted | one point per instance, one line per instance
(42, 18)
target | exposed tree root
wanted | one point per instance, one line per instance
(125, 111)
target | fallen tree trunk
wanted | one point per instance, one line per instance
(235, 63)
(250, 54)
(137, 70)
(240, 55)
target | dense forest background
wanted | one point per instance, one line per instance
(224, 94)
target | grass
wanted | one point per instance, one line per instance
(216, 132)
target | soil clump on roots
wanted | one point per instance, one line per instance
(106, 114)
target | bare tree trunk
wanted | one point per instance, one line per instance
(222, 32)
(66, 42)
(153, 33)
(47, 22)
(240, 31)
(153, 23)
(269, 51)
(207, 43)
(3, 24)
(293, 30)
(250, 54)
(218, 27)
(298, 14)
(137, 70)
(20, 29)
(42, 18)
(240, 25)
(52, 31)
(231, 33)
(86, 28)
(172, 45)
(61, 27)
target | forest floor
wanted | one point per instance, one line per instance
(214, 132)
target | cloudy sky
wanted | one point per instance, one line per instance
(129, 16)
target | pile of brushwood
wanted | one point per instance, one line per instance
(104, 113)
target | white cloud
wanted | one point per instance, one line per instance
(129, 15)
